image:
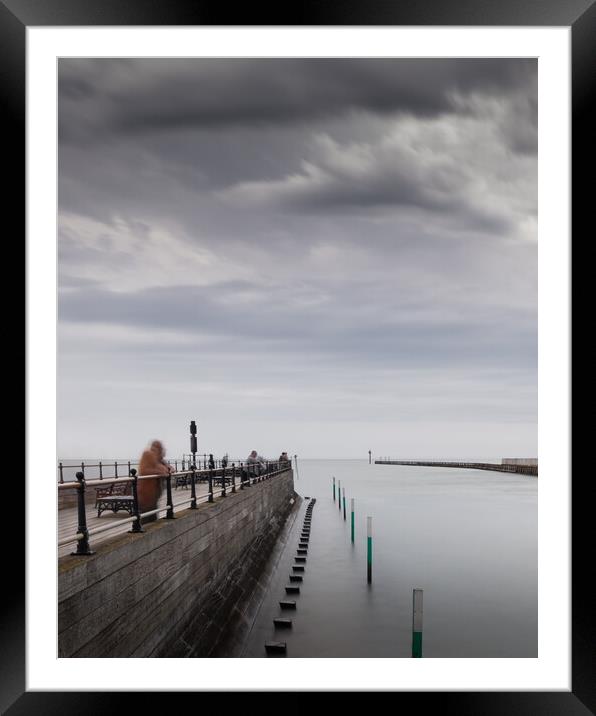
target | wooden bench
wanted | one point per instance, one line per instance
(182, 481)
(116, 496)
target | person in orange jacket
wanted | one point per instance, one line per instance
(152, 462)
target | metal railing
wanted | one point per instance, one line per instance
(119, 468)
(244, 475)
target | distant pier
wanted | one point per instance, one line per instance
(511, 465)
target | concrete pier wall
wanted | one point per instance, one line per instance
(520, 461)
(495, 467)
(186, 587)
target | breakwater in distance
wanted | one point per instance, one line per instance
(520, 469)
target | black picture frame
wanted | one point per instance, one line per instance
(580, 15)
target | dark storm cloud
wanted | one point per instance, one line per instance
(246, 129)
(112, 96)
(355, 235)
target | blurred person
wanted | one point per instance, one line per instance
(152, 462)
(257, 462)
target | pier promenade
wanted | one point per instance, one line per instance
(105, 507)
(114, 522)
(186, 584)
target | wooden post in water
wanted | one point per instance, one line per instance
(339, 494)
(333, 484)
(352, 517)
(344, 499)
(369, 549)
(417, 624)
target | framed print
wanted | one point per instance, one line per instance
(338, 240)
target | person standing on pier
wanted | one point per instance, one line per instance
(152, 462)
(257, 462)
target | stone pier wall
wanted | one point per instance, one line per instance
(185, 587)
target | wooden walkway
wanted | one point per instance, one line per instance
(68, 520)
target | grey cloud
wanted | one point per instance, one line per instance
(284, 326)
(112, 96)
(170, 172)
(430, 169)
(216, 254)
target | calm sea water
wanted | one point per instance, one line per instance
(468, 538)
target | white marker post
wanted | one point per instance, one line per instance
(417, 624)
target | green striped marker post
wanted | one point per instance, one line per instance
(339, 494)
(417, 624)
(333, 489)
(369, 549)
(352, 517)
(344, 495)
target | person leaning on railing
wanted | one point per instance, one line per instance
(152, 462)
(256, 463)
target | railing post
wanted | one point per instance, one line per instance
(83, 547)
(115, 469)
(136, 525)
(170, 512)
(233, 477)
(193, 492)
(61, 475)
(210, 486)
(100, 471)
(223, 481)
(242, 476)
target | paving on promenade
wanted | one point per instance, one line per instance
(68, 521)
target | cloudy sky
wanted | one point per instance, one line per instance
(321, 256)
